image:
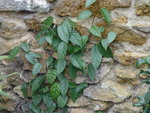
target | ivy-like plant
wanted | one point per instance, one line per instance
(145, 99)
(55, 88)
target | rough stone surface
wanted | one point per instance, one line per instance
(126, 107)
(12, 28)
(73, 7)
(142, 7)
(108, 91)
(25, 5)
(116, 85)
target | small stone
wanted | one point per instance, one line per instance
(17, 90)
(25, 5)
(73, 7)
(80, 110)
(14, 28)
(108, 91)
(126, 76)
(126, 107)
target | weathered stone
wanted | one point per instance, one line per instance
(17, 90)
(142, 7)
(108, 91)
(7, 45)
(80, 102)
(73, 7)
(12, 28)
(126, 107)
(25, 5)
(126, 76)
(80, 110)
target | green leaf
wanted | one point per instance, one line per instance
(64, 30)
(77, 61)
(104, 44)
(73, 25)
(51, 75)
(49, 102)
(62, 50)
(36, 99)
(37, 83)
(14, 52)
(140, 61)
(91, 72)
(80, 87)
(55, 91)
(96, 57)
(33, 108)
(49, 61)
(25, 46)
(89, 2)
(47, 23)
(49, 38)
(36, 68)
(84, 40)
(24, 89)
(147, 59)
(106, 15)
(64, 85)
(97, 112)
(84, 14)
(75, 38)
(30, 58)
(96, 31)
(4, 57)
(105, 53)
(61, 65)
(111, 37)
(72, 71)
(62, 101)
(41, 41)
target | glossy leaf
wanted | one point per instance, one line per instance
(49, 38)
(139, 62)
(62, 50)
(91, 72)
(72, 71)
(24, 89)
(84, 14)
(36, 99)
(37, 83)
(89, 2)
(105, 13)
(96, 57)
(30, 58)
(51, 75)
(49, 103)
(95, 31)
(111, 37)
(105, 53)
(36, 68)
(25, 46)
(64, 30)
(105, 44)
(55, 91)
(81, 86)
(61, 65)
(14, 52)
(64, 85)
(62, 101)
(78, 62)
(76, 38)
(84, 40)
(49, 61)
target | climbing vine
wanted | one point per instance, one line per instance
(55, 87)
(145, 99)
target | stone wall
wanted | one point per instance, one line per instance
(116, 85)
